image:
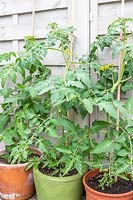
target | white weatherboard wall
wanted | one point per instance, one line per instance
(16, 23)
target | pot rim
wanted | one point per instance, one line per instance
(2, 151)
(58, 179)
(101, 193)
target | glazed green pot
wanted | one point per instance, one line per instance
(57, 188)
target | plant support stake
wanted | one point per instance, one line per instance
(33, 18)
(120, 66)
(72, 22)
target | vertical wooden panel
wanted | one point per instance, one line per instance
(82, 28)
(79, 19)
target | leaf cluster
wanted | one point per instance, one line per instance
(22, 113)
(39, 108)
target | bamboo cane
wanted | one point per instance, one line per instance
(33, 17)
(71, 49)
(119, 69)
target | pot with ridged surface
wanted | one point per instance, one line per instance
(57, 188)
(92, 194)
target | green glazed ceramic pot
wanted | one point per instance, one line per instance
(57, 188)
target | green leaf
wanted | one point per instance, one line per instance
(99, 125)
(25, 155)
(67, 124)
(3, 81)
(84, 147)
(15, 158)
(122, 153)
(27, 131)
(77, 84)
(104, 146)
(11, 100)
(29, 114)
(39, 129)
(58, 95)
(117, 146)
(5, 92)
(52, 132)
(121, 108)
(122, 169)
(130, 129)
(13, 76)
(24, 64)
(79, 166)
(130, 122)
(117, 48)
(121, 139)
(128, 86)
(63, 150)
(43, 87)
(21, 71)
(70, 94)
(88, 104)
(8, 139)
(129, 104)
(33, 92)
(84, 77)
(109, 108)
(3, 121)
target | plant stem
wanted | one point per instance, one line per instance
(55, 49)
(123, 38)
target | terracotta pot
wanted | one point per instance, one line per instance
(15, 182)
(57, 188)
(94, 195)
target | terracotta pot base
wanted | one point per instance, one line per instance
(15, 182)
(95, 195)
(15, 196)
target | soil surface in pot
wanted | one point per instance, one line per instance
(5, 160)
(121, 186)
(50, 172)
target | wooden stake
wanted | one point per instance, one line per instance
(71, 22)
(120, 66)
(33, 18)
(122, 8)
